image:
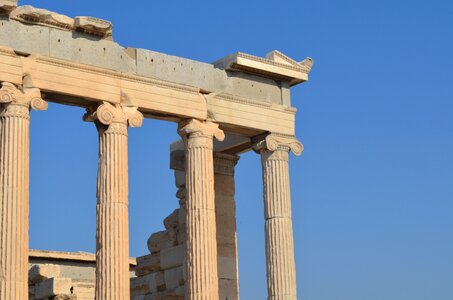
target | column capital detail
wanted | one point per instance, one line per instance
(195, 127)
(224, 163)
(29, 97)
(107, 114)
(274, 141)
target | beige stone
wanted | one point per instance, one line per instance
(14, 170)
(162, 240)
(39, 273)
(93, 26)
(112, 232)
(281, 269)
(201, 254)
(8, 5)
(276, 65)
(239, 103)
(53, 287)
(30, 14)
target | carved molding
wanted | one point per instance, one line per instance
(30, 97)
(108, 114)
(274, 141)
(224, 163)
(195, 127)
(301, 68)
(248, 101)
(37, 16)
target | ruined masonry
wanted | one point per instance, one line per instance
(237, 104)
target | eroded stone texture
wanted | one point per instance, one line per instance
(8, 5)
(280, 265)
(30, 14)
(93, 26)
(201, 255)
(14, 182)
(112, 225)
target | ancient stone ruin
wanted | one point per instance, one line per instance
(239, 103)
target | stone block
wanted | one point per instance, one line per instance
(181, 195)
(84, 290)
(149, 283)
(147, 264)
(181, 234)
(31, 37)
(30, 14)
(227, 268)
(172, 257)
(93, 26)
(161, 240)
(225, 205)
(39, 273)
(228, 289)
(81, 48)
(226, 250)
(172, 220)
(53, 287)
(226, 230)
(182, 216)
(174, 278)
(8, 5)
(206, 76)
(180, 178)
(65, 297)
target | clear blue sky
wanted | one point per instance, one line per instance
(373, 191)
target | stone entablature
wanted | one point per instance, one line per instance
(239, 92)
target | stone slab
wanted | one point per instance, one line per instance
(173, 278)
(147, 264)
(172, 257)
(227, 268)
(39, 273)
(52, 287)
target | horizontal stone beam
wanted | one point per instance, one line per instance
(167, 100)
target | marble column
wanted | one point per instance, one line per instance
(225, 206)
(201, 253)
(112, 224)
(280, 264)
(14, 183)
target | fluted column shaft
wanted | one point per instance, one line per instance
(112, 223)
(201, 255)
(14, 193)
(280, 263)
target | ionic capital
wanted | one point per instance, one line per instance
(194, 127)
(274, 141)
(108, 114)
(30, 97)
(224, 163)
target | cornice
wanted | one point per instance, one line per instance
(248, 101)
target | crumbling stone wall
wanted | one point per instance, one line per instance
(161, 274)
